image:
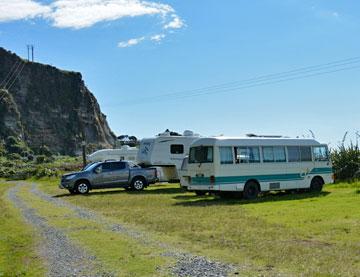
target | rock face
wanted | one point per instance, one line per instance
(47, 106)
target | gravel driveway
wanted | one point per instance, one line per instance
(61, 256)
(60, 251)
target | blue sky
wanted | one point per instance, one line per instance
(131, 51)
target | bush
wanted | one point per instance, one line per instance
(40, 159)
(346, 162)
(14, 156)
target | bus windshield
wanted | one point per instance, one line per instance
(201, 154)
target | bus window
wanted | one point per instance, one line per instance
(294, 153)
(268, 154)
(226, 155)
(305, 153)
(201, 154)
(247, 154)
(279, 154)
(320, 153)
(274, 154)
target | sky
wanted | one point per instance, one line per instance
(208, 66)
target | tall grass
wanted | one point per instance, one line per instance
(346, 162)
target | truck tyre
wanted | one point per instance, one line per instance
(316, 184)
(138, 183)
(200, 192)
(83, 187)
(251, 190)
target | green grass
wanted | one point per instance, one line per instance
(308, 234)
(17, 242)
(118, 253)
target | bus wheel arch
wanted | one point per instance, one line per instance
(317, 183)
(251, 189)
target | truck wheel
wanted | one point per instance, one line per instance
(251, 190)
(82, 187)
(138, 183)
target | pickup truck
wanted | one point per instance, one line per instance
(109, 174)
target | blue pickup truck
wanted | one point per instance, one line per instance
(109, 174)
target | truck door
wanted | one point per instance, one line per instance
(120, 173)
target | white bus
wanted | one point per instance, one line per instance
(258, 164)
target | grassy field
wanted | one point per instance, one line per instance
(17, 242)
(305, 234)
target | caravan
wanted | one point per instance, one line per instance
(166, 152)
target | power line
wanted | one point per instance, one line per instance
(13, 82)
(296, 74)
(12, 75)
(9, 73)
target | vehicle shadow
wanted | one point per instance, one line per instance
(158, 189)
(189, 200)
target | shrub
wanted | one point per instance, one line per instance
(14, 156)
(346, 162)
(40, 159)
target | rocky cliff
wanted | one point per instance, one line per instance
(46, 106)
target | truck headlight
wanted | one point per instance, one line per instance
(70, 177)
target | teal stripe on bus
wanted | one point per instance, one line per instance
(260, 178)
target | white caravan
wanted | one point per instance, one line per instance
(124, 153)
(257, 164)
(166, 152)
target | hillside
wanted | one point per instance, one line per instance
(43, 105)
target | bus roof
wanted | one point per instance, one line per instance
(256, 141)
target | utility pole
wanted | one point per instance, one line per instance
(83, 148)
(30, 52)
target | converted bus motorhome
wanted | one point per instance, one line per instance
(257, 164)
(166, 152)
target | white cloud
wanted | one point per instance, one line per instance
(157, 37)
(130, 42)
(175, 23)
(11, 10)
(79, 14)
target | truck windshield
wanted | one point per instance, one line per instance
(201, 154)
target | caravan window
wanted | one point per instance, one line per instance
(177, 149)
(201, 154)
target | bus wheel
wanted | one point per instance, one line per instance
(316, 185)
(200, 192)
(251, 190)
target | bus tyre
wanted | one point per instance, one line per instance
(82, 187)
(138, 183)
(251, 190)
(316, 185)
(200, 192)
